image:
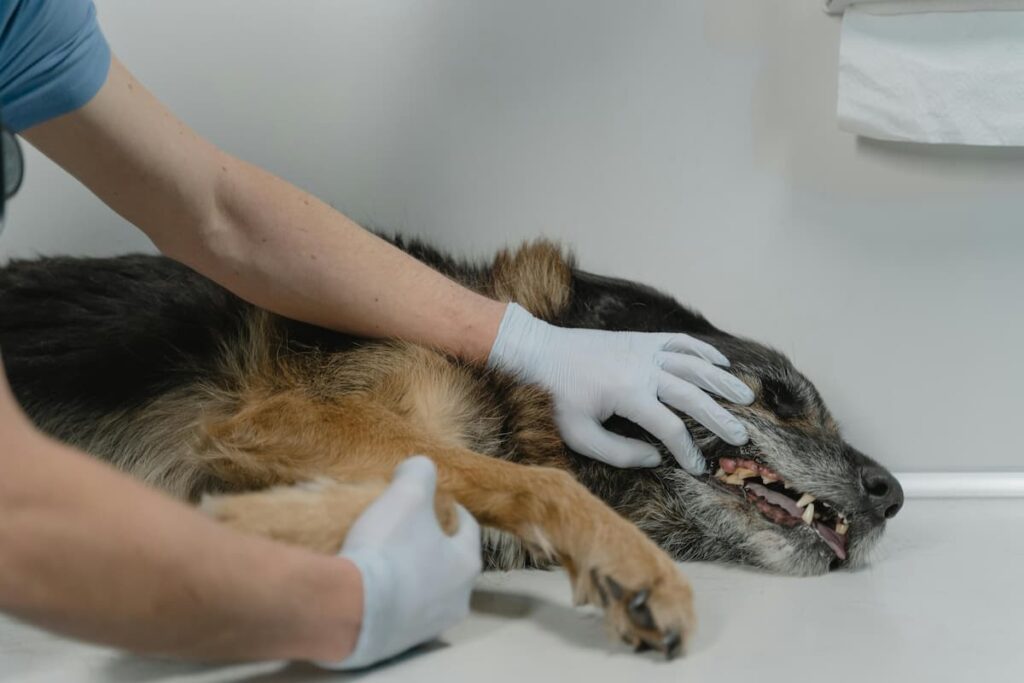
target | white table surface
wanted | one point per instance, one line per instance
(943, 601)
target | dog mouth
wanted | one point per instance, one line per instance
(773, 497)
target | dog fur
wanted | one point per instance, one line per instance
(287, 430)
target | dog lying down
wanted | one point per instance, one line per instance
(290, 431)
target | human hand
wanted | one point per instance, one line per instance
(416, 579)
(594, 374)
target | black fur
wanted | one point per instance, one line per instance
(95, 337)
(109, 333)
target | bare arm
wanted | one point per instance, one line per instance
(85, 550)
(91, 553)
(259, 236)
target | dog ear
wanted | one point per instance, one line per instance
(537, 276)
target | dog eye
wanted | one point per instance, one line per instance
(780, 399)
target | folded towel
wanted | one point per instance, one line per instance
(936, 71)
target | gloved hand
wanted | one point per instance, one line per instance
(416, 579)
(593, 374)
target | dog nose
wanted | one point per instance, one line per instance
(883, 489)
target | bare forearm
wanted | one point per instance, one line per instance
(266, 240)
(289, 252)
(92, 554)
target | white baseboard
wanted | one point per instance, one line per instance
(962, 484)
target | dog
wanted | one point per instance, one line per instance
(284, 429)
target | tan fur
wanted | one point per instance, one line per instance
(271, 423)
(359, 440)
(316, 515)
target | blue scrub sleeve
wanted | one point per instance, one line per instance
(53, 59)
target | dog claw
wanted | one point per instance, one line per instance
(671, 644)
(600, 589)
(640, 613)
(639, 599)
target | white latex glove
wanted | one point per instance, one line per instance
(416, 579)
(593, 374)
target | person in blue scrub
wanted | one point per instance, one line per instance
(88, 552)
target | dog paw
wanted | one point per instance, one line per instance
(648, 609)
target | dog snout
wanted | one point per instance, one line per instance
(883, 490)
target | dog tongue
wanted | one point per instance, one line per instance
(834, 540)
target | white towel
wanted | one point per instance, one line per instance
(937, 71)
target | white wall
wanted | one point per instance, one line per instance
(691, 145)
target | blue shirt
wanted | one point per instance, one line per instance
(53, 59)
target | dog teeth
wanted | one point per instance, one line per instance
(736, 477)
(739, 475)
(808, 515)
(744, 473)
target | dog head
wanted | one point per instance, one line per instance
(795, 499)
